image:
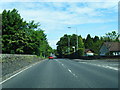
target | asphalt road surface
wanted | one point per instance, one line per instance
(65, 73)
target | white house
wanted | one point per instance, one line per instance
(110, 48)
(89, 52)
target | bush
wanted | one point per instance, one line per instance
(80, 52)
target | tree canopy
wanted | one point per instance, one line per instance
(21, 37)
(111, 36)
(68, 45)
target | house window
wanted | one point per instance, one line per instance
(113, 53)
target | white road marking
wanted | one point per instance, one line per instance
(67, 68)
(61, 64)
(111, 67)
(72, 72)
(104, 66)
(18, 73)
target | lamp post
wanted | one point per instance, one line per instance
(76, 38)
(68, 45)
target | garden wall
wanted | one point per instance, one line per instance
(12, 63)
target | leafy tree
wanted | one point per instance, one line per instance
(62, 47)
(73, 40)
(66, 44)
(111, 36)
(20, 37)
(93, 43)
(80, 52)
(0, 32)
(80, 42)
(95, 39)
(13, 28)
(96, 46)
(88, 42)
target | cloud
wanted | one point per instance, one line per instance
(59, 0)
(52, 43)
(56, 16)
(70, 15)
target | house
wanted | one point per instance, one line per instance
(89, 52)
(110, 48)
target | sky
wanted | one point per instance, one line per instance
(86, 17)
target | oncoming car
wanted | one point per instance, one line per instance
(50, 57)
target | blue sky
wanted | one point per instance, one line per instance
(95, 18)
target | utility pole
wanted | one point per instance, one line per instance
(68, 45)
(76, 40)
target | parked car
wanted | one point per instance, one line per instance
(50, 57)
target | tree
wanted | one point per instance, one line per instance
(93, 43)
(95, 39)
(0, 32)
(20, 37)
(13, 28)
(97, 45)
(62, 48)
(111, 36)
(80, 42)
(67, 42)
(88, 42)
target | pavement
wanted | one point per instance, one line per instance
(65, 73)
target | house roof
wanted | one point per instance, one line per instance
(88, 50)
(112, 46)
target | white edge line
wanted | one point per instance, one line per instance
(108, 67)
(18, 73)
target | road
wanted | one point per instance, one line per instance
(65, 73)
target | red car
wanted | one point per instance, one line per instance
(50, 57)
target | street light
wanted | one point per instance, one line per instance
(68, 45)
(76, 38)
